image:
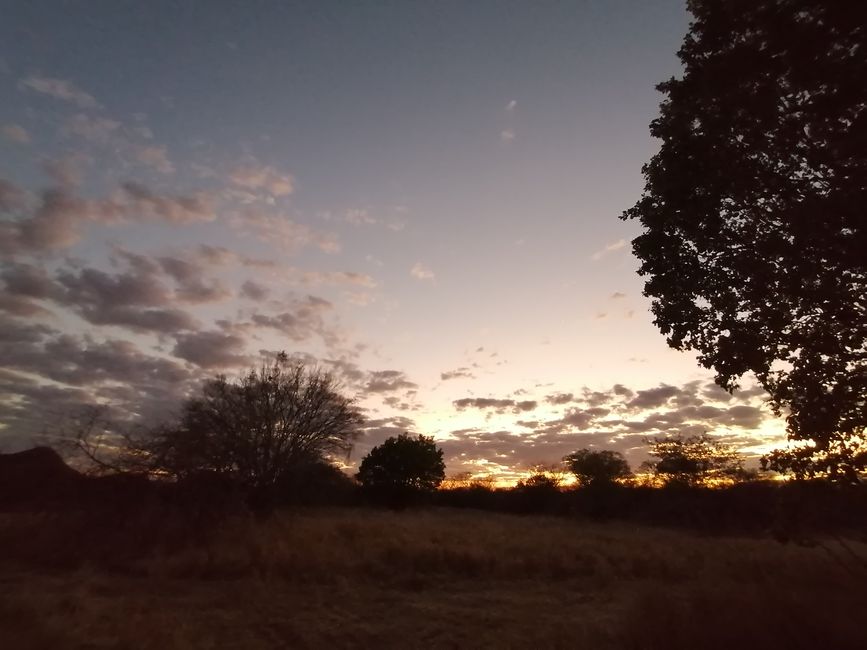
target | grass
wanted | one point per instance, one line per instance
(427, 579)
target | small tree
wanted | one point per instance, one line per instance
(402, 466)
(696, 460)
(259, 430)
(597, 468)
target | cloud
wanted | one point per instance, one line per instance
(498, 405)
(359, 217)
(283, 232)
(559, 398)
(134, 300)
(222, 256)
(174, 209)
(653, 397)
(212, 349)
(12, 198)
(620, 244)
(387, 381)
(263, 177)
(60, 89)
(192, 287)
(138, 297)
(621, 419)
(157, 158)
(511, 105)
(47, 374)
(15, 133)
(99, 130)
(301, 321)
(420, 272)
(617, 295)
(254, 291)
(507, 135)
(53, 221)
(67, 171)
(458, 373)
(338, 278)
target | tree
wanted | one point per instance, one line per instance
(260, 430)
(695, 460)
(597, 468)
(403, 465)
(754, 215)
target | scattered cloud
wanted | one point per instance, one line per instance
(511, 105)
(59, 89)
(421, 272)
(507, 135)
(458, 373)
(66, 171)
(359, 217)
(15, 133)
(94, 129)
(254, 176)
(254, 291)
(620, 244)
(387, 381)
(157, 158)
(212, 349)
(283, 232)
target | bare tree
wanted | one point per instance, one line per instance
(260, 429)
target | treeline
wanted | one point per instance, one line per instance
(274, 437)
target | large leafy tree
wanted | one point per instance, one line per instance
(755, 215)
(403, 465)
(597, 468)
(695, 460)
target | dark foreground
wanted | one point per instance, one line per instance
(429, 579)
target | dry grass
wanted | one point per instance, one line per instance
(434, 579)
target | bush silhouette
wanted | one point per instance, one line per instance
(402, 468)
(597, 468)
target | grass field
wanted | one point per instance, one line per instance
(428, 579)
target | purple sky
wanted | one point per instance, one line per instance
(420, 196)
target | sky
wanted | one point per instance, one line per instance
(419, 197)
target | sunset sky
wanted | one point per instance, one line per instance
(420, 196)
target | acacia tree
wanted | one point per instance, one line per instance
(597, 468)
(754, 219)
(258, 430)
(695, 460)
(403, 465)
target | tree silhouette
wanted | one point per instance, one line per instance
(754, 215)
(597, 468)
(259, 430)
(403, 466)
(695, 460)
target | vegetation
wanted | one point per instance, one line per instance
(753, 216)
(402, 467)
(695, 460)
(265, 434)
(432, 579)
(597, 468)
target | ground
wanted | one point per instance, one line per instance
(427, 579)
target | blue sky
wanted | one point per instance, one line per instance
(422, 197)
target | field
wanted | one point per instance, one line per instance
(437, 578)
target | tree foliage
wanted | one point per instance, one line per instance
(260, 429)
(597, 468)
(695, 460)
(403, 464)
(754, 219)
